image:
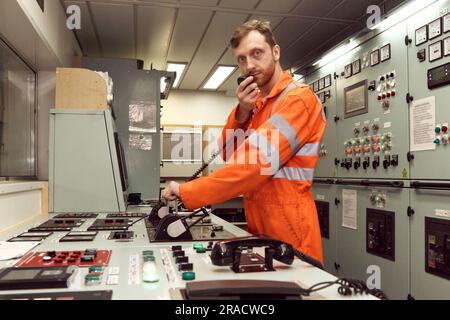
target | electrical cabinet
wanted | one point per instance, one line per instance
(324, 195)
(429, 30)
(371, 108)
(430, 240)
(378, 238)
(323, 83)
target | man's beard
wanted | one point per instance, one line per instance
(267, 75)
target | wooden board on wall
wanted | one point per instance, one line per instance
(80, 89)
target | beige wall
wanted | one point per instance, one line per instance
(197, 107)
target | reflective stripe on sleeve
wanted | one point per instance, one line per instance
(295, 174)
(286, 130)
(309, 149)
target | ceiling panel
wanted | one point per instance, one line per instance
(212, 47)
(86, 35)
(352, 9)
(207, 3)
(115, 29)
(238, 4)
(154, 27)
(184, 43)
(279, 6)
(314, 39)
(316, 8)
(290, 29)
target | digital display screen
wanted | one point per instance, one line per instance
(356, 99)
(438, 74)
(22, 274)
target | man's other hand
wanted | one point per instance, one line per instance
(171, 192)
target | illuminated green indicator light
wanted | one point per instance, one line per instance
(437, 130)
(188, 276)
(201, 250)
(198, 245)
(95, 269)
(149, 259)
(148, 253)
(150, 276)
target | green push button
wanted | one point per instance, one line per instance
(92, 278)
(437, 130)
(188, 276)
(149, 259)
(201, 250)
(96, 269)
(198, 245)
(147, 253)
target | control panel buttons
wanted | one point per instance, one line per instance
(188, 276)
(376, 147)
(366, 163)
(376, 139)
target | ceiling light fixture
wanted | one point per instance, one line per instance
(179, 69)
(219, 76)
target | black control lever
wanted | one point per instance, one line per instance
(175, 227)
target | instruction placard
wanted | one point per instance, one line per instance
(422, 124)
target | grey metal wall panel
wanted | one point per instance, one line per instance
(392, 121)
(352, 256)
(326, 166)
(428, 164)
(132, 85)
(425, 203)
(327, 193)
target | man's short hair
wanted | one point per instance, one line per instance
(243, 30)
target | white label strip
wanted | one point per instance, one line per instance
(134, 270)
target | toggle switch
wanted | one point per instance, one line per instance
(366, 163)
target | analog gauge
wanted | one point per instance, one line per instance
(435, 51)
(446, 23)
(435, 28)
(447, 46)
(385, 53)
(348, 70)
(421, 35)
(356, 66)
(316, 86)
(328, 81)
(375, 57)
(321, 83)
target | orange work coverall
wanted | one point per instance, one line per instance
(279, 204)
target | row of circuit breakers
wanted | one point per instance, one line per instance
(388, 141)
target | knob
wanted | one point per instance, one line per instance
(356, 131)
(386, 162)
(437, 140)
(357, 164)
(366, 163)
(376, 138)
(375, 127)
(366, 129)
(376, 163)
(394, 161)
(336, 161)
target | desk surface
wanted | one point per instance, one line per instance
(126, 262)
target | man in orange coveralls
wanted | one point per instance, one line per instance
(288, 120)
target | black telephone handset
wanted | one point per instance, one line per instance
(223, 252)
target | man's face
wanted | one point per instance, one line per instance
(256, 58)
